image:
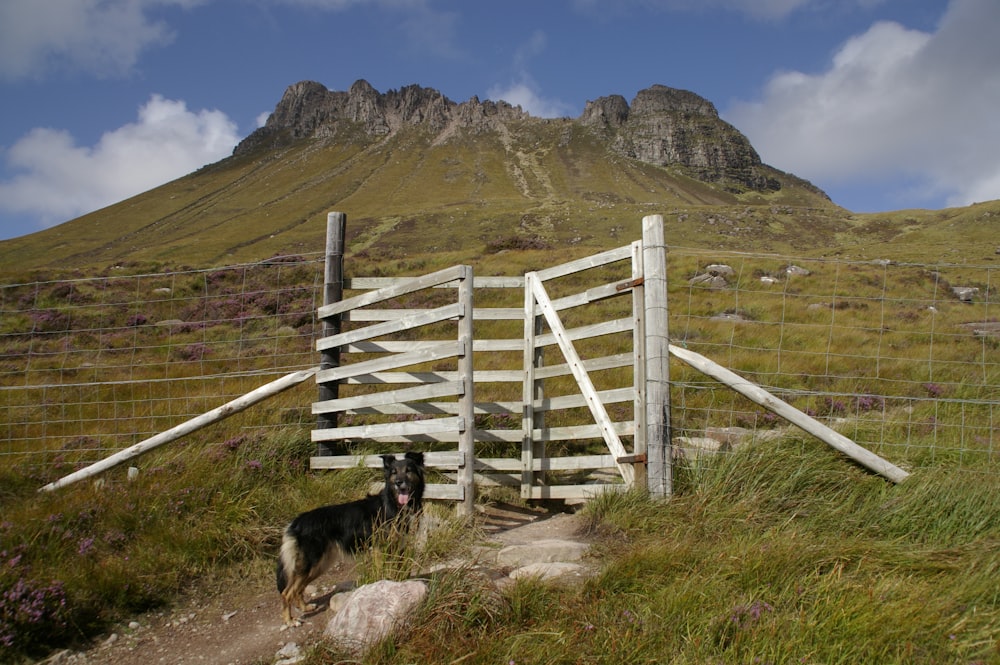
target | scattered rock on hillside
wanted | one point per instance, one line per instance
(965, 293)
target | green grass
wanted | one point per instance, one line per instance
(782, 552)
(776, 554)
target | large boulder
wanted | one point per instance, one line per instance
(373, 611)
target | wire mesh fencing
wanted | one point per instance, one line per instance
(93, 365)
(902, 358)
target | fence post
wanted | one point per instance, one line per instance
(654, 261)
(467, 402)
(333, 291)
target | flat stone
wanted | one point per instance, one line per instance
(555, 570)
(542, 551)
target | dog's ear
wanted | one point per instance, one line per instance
(387, 461)
(417, 458)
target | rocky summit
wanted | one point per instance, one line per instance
(662, 126)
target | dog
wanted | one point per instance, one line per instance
(319, 538)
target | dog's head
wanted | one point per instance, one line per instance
(404, 478)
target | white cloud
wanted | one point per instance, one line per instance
(525, 95)
(757, 9)
(895, 104)
(101, 37)
(58, 179)
(523, 91)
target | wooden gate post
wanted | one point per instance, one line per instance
(467, 402)
(333, 291)
(654, 262)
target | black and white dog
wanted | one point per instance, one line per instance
(317, 539)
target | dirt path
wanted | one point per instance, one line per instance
(244, 627)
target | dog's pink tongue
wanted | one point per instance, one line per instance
(403, 498)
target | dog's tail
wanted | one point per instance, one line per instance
(286, 561)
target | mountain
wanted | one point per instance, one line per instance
(417, 173)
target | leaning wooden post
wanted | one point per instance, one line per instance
(779, 407)
(215, 415)
(333, 291)
(654, 261)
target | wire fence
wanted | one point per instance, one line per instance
(90, 366)
(902, 358)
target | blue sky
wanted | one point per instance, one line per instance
(884, 104)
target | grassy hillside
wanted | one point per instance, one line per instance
(553, 180)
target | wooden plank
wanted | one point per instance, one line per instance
(432, 408)
(427, 317)
(466, 403)
(393, 361)
(590, 296)
(571, 463)
(397, 288)
(531, 358)
(591, 365)
(586, 263)
(388, 397)
(622, 325)
(612, 396)
(391, 431)
(478, 314)
(478, 345)
(781, 408)
(539, 435)
(482, 376)
(449, 459)
(482, 282)
(583, 380)
(639, 415)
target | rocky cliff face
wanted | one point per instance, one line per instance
(666, 126)
(663, 126)
(309, 110)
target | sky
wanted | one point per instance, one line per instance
(883, 104)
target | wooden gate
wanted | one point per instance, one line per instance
(542, 384)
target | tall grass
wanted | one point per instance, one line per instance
(782, 553)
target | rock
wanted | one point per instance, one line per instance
(711, 281)
(552, 571)
(720, 269)
(796, 270)
(965, 293)
(309, 110)
(542, 551)
(692, 447)
(765, 279)
(729, 316)
(289, 654)
(607, 112)
(664, 126)
(730, 437)
(373, 611)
